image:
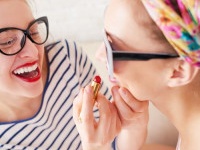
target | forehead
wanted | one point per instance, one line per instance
(130, 22)
(15, 13)
(127, 14)
(123, 19)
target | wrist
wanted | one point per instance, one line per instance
(131, 139)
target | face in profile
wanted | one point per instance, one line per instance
(130, 29)
(20, 74)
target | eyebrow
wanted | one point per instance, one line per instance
(110, 34)
(115, 37)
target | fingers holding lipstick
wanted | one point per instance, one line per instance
(87, 107)
(94, 133)
(83, 104)
(77, 105)
(83, 113)
(89, 94)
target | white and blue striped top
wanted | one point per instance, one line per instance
(53, 127)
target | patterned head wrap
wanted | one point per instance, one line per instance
(182, 30)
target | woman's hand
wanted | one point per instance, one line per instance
(95, 135)
(134, 117)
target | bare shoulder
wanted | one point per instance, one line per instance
(157, 147)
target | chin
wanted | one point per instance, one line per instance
(33, 94)
(138, 94)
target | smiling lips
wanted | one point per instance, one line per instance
(28, 72)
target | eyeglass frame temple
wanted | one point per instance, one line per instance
(109, 55)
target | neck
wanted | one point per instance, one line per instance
(14, 107)
(182, 108)
(19, 108)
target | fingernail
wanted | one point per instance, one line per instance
(115, 89)
(88, 89)
(123, 91)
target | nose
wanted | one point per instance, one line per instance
(101, 53)
(29, 49)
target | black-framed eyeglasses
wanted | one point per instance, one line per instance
(127, 55)
(12, 40)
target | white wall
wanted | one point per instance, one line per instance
(81, 20)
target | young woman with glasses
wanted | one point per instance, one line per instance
(38, 84)
(152, 51)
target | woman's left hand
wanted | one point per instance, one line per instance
(134, 116)
(95, 134)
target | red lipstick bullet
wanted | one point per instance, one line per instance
(96, 83)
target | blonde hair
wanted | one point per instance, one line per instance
(32, 5)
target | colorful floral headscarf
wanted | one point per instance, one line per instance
(182, 29)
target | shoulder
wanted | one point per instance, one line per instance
(67, 47)
(65, 43)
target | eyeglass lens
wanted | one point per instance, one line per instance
(13, 40)
(38, 32)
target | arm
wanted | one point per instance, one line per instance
(134, 118)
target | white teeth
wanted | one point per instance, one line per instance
(25, 69)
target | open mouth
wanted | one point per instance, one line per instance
(29, 73)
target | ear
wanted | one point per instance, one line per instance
(182, 74)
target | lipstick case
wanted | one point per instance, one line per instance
(96, 83)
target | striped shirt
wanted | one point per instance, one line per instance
(52, 127)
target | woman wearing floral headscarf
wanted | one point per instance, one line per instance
(152, 50)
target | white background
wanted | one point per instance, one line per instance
(80, 20)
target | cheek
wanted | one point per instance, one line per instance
(140, 78)
(118, 67)
(124, 72)
(6, 65)
(130, 76)
(40, 49)
(129, 70)
(41, 52)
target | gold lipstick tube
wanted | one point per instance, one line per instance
(96, 84)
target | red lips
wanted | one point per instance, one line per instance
(28, 72)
